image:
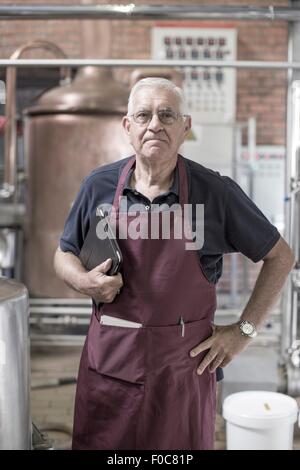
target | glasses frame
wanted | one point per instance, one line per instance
(176, 115)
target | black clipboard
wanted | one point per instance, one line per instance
(96, 250)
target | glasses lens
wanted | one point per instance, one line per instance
(142, 117)
(167, 117)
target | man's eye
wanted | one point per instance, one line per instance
(167, 114)
(142, 114)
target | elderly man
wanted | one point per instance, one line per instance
(152, 385)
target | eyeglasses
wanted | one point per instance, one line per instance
(165, 116)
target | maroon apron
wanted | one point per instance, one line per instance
(138, 387)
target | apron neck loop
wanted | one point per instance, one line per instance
(183, 182)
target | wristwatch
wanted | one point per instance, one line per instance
(247, 328)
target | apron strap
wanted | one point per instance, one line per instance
(183, 182)
(121, 182)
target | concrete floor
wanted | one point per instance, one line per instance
(52, 406)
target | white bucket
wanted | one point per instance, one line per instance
(259, 420)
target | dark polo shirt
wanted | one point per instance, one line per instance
(232, 222)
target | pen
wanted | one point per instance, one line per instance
(182, 326)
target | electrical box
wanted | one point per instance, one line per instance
(2, 92)
(262, 179)
(210, 92)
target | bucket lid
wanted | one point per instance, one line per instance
(259, 409)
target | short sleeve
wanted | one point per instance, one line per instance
(77, 222)
(248, 231)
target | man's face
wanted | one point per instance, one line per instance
(155, 140)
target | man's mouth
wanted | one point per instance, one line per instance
(155, 140)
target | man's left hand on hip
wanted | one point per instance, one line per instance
(224, 344)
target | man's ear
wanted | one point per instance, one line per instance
(188, 124)
(126, 124)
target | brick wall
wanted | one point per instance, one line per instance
(65, 34)
(260, 93)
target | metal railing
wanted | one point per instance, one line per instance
(237, 64)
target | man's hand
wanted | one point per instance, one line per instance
(98, 285)
(225, 343)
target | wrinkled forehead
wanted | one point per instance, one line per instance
(155, 98)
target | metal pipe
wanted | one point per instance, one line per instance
(236, 64)
(10, 130)
(290, 344)
(295, 204)
(146, 12)
(286, 301)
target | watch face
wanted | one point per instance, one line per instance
(247, 328)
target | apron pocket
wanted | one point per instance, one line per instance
(116, 351)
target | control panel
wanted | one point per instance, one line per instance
(210, 91)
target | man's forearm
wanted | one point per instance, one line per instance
(69, 268)
(226, 341)
(95, 283)
(267, 288)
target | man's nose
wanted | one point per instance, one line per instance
(155, 124)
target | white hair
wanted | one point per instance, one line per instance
(157, 82)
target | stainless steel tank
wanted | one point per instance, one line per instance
(15, 422)
(68, 132)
